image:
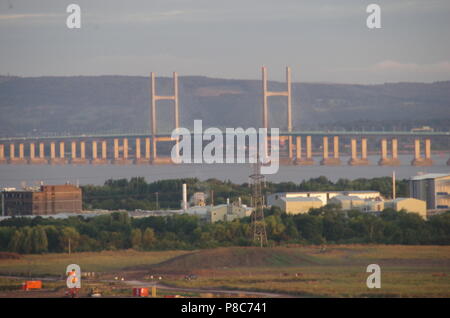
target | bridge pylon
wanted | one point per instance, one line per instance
(265, 109)
(153, 114)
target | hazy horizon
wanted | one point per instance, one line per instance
(322, 41)
(180, 76)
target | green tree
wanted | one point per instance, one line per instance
(148, 239)
(39, 240)
(27, 240)
(69, 237)
(15, 243)
(136, 239)
(275, 227)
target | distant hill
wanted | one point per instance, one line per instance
(85, 104)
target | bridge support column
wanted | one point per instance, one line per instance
(383, 151)
(124, 159)
(291, 157)
(52, 151)
(336, 148)
(116, 149)
(334, 161)
(138, 158)
(41, 151)
(55, 160)
(418, 159)
(32, 151)
(394, 149)
(308, 159)
(82, 159)
(104, 154)
(125, 148)
(12, 151)
(94, 150)
(355, 160)
(147, 149)
(83, 150)
(62, 151)
(74, 150)
(138, 148)
(385, 160)
(12, 154)
(428, 149)
(298, 149)
(95, 159)
(21, 159)
(325, 150)
(32, 158)
(21, 152)
(2, 154)
(155, 152)
(364, 149)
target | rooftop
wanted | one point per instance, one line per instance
(319, 192)
(403, 199)
(301, 199)
(430, 176)
(347, 197)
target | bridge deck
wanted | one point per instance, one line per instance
(282, 133)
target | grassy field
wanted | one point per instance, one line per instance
(107, 261)
(304, 271)
(336, 271)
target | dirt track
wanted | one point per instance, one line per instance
(132, 283)
(137, 283)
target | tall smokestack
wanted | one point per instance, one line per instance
(184, 203)
(393, 185)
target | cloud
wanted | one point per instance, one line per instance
(21, 16)
(392, 66)
(395, 66)
(28, 17)
(142, 17)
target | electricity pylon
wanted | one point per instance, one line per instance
(258, 223)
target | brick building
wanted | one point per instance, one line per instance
(48, 199)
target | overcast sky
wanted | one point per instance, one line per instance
(322, 40)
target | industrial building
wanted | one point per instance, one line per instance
(198, 199)
(301, 202)
(433, 188)
(376, 205)
(228, 212)
(409, 204)
(296, 205)
(348, 202)
(43, 200)
(324, 196)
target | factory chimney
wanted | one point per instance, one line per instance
(393, 185)
(184, 202)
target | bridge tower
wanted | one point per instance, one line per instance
(153, 118)
(288, 95)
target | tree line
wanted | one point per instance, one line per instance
(136, 193)
(116, 231)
